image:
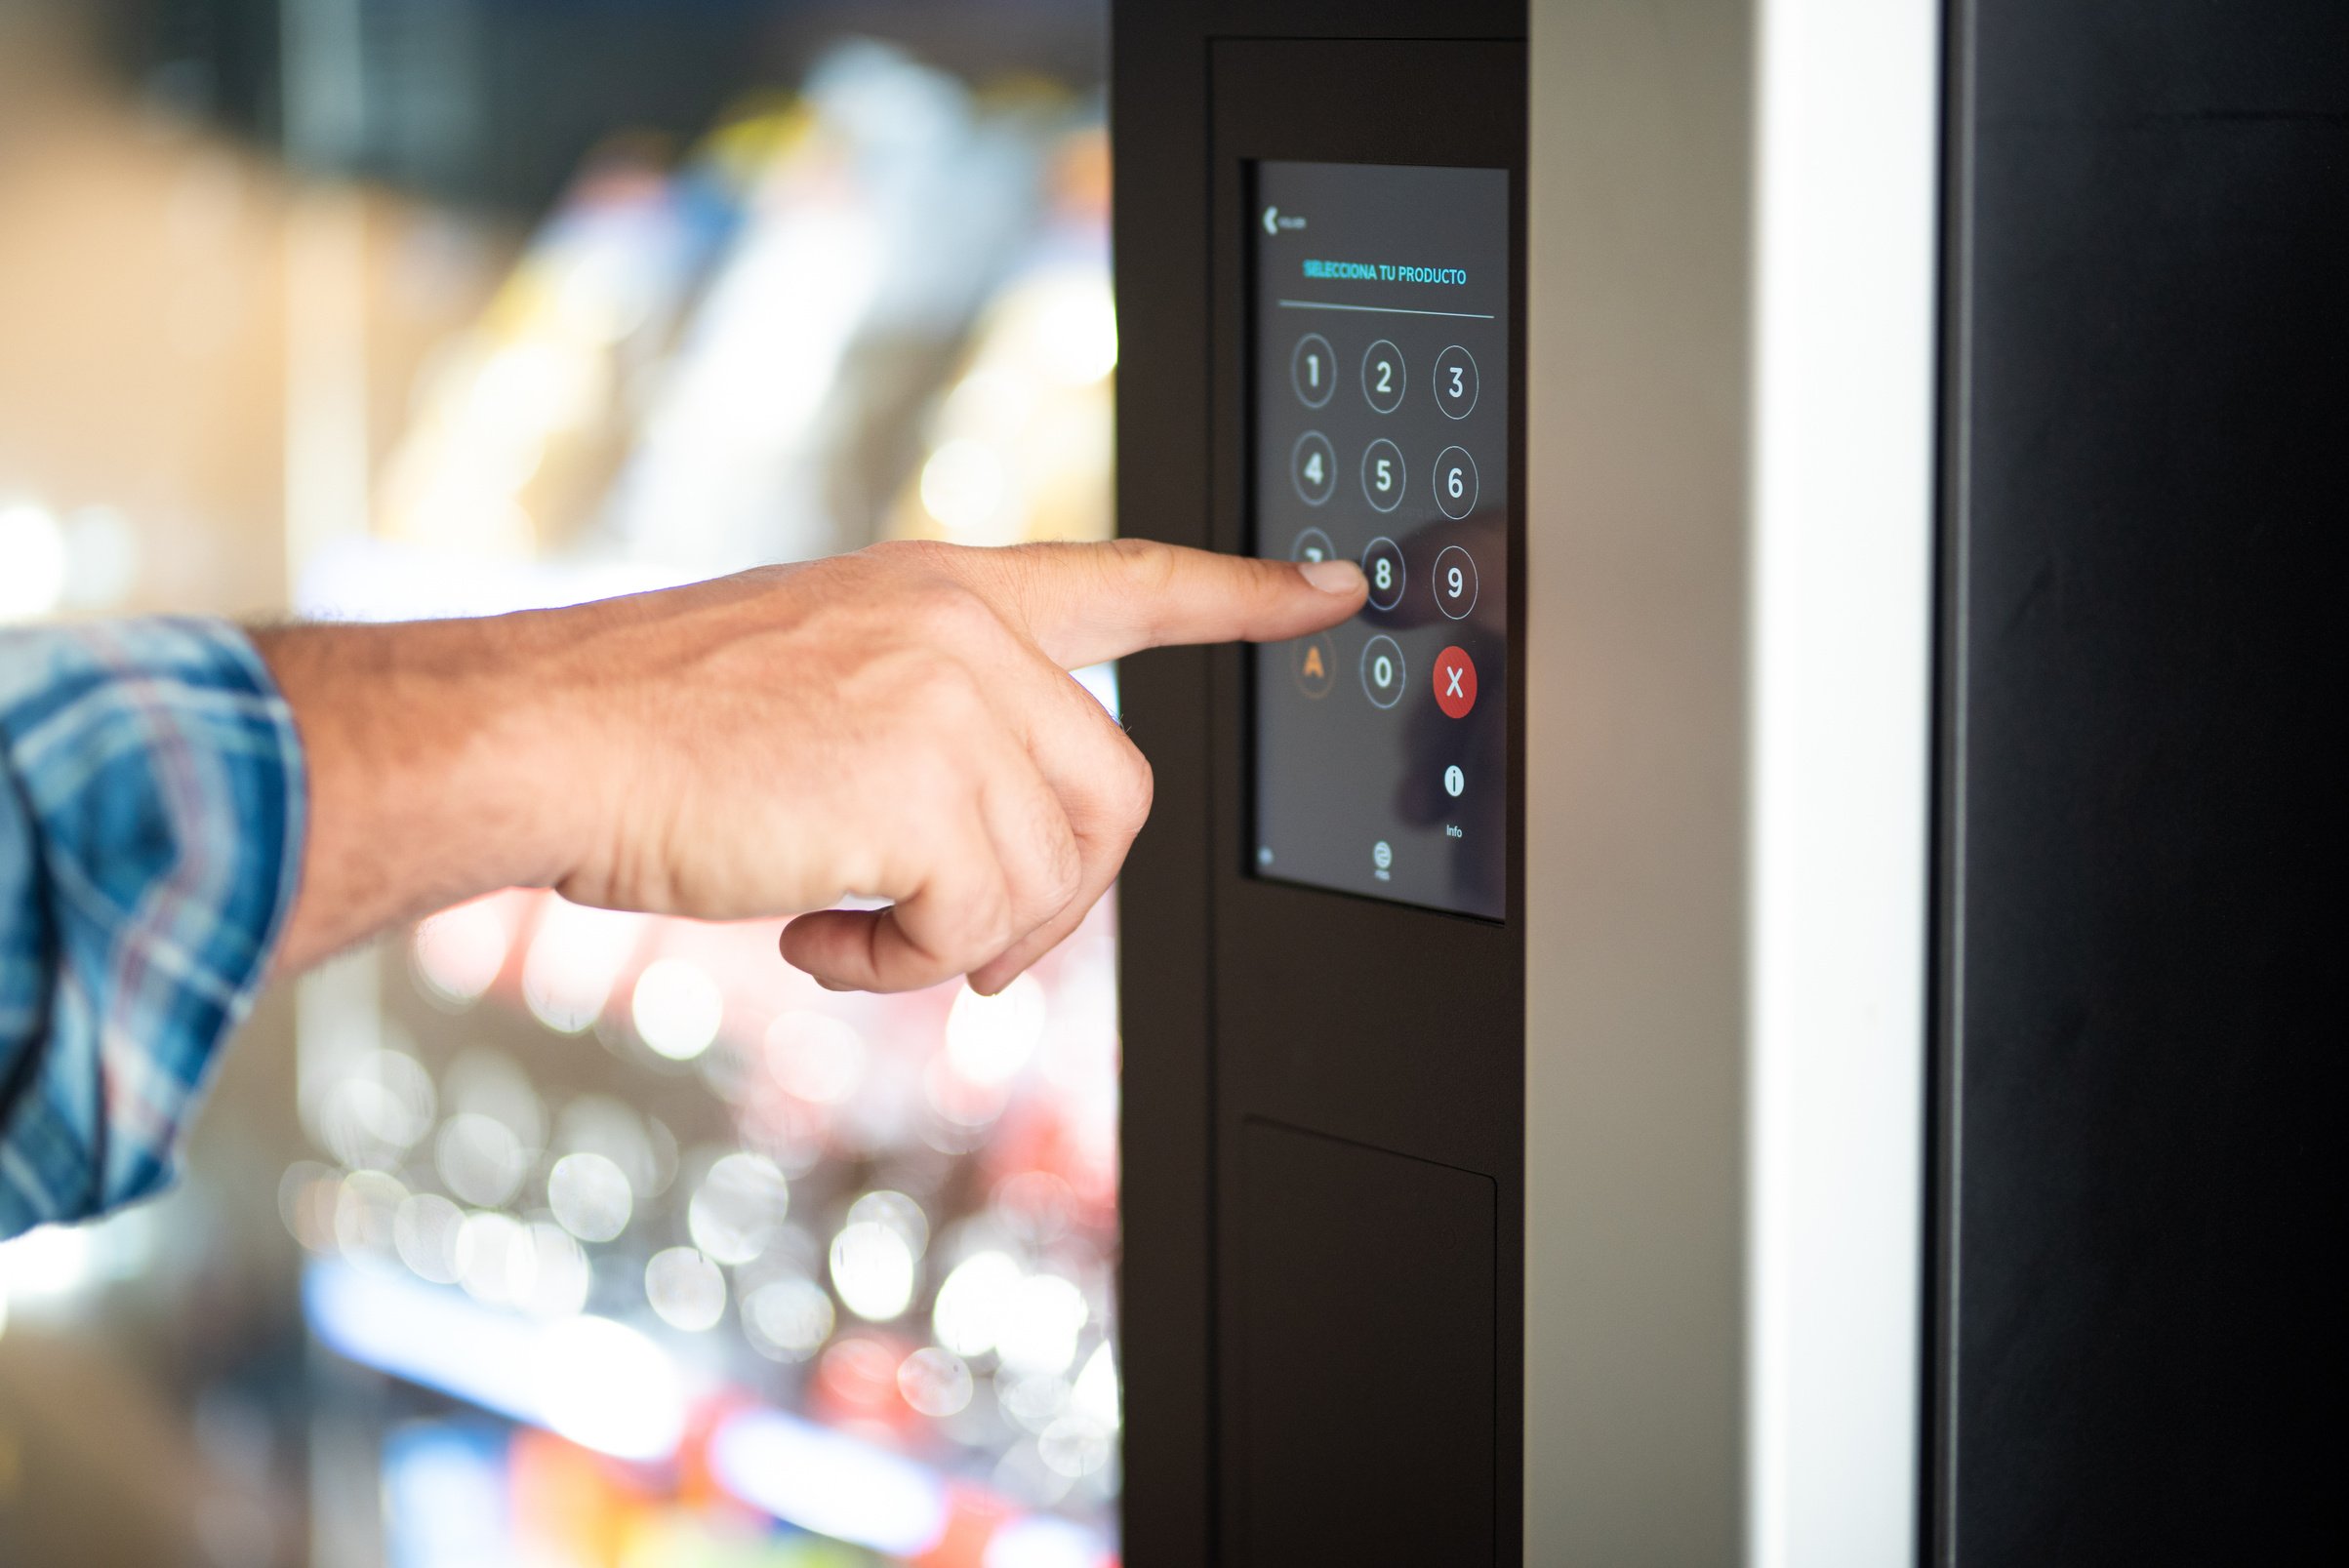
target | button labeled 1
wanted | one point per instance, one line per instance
(1313, 366)
(1455, 682)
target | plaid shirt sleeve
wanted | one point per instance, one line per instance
(151, 798)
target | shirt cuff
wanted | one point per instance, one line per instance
(151, 824)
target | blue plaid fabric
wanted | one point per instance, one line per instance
(151, 798)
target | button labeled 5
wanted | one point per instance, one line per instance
(1383, 475)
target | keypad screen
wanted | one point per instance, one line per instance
(1380, 430)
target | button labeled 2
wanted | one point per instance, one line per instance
(1382, 375)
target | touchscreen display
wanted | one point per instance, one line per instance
(1379, 431)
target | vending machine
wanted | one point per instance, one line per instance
(1760, 1003)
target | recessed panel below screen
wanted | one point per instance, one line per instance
(1380, 425)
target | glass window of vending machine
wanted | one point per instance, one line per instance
(547, 1234)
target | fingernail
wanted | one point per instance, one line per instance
(1332, 577)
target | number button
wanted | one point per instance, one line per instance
(1383, 565)
(1312, 545)
(1382, 476)
(1383, 671)
(1456, 482)
(1382, 375)
(1455, 581)
(1314, 466)
(1456, 381)
(1312, 367)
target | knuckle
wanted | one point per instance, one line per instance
(1144, 569)
(954, 616)
(986, 926)
(1138, 787)
(1064, 868)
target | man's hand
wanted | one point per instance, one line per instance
(896, 724)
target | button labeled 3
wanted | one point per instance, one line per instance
(1455, 382)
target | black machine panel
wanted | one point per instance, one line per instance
(1390, 1026)
(2146, 444)
(1381, 333)
(1332, 1230)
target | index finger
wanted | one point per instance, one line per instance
(1087, 603)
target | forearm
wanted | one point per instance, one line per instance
(434, 755)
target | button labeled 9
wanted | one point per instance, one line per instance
(1455, 581)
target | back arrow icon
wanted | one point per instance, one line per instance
(1271, 220)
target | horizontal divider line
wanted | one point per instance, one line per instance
(1382, 309)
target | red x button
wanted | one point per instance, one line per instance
(1455, 683)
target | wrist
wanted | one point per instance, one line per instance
(436, 771)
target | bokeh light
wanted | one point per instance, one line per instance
(686, 1289)
(741, 1203)
(676, 1008)
(590, 1197)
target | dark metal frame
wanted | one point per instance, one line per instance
(1219, 968)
